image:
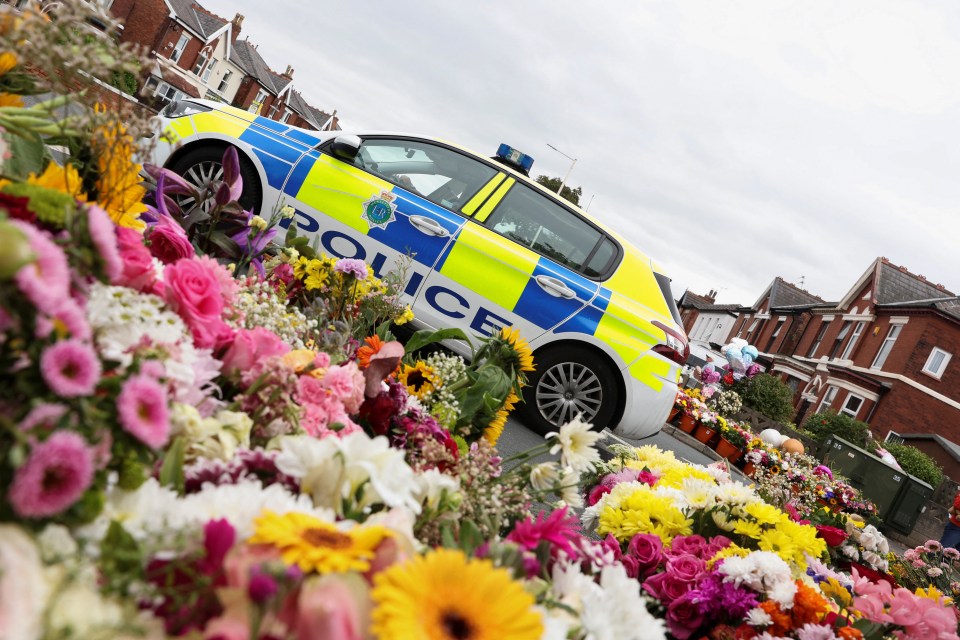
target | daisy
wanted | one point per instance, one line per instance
(575, 443)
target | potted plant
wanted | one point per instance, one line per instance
(733, 439)
(706, 427)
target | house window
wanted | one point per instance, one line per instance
(839, 340)
(752, 327)
(181, 45)
(209, 69)
(937, 363)
(255, 105)
(224, 81)
(286, 117)
(168, 92)
(776, 332)
(828, 399)
(818, 339)
(848, 350)
(887, 346)
(201, 61)
(852, 406)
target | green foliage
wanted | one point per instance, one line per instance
(916, 463)
(568, 194)
(827, 423)
(768, 395)
(125, 81)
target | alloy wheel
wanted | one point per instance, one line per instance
(567, 389)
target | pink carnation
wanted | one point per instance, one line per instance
(46, 280)
(193, 290)
(250, 346)
(347, 383)
(138, 270)
(321, 410)
(169, 242)
(55, 475)
(143, 411)
(70, 368)
(43, 415)
(69, 316)
(104, 238)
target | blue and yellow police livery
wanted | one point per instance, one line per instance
(489, 247)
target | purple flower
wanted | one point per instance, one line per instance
(232, 186)
(262, 587)
(353, 267)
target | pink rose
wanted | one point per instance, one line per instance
(692, 545)
(193, 291)
(647, 550)
(685, 567)
(346, 383)
(138, 271)
(683, 617)
(334, 607)
(598, 492)
(250, 346)
(666, 587)
(169, 242)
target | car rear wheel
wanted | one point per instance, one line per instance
(569, 381)
(202, 167)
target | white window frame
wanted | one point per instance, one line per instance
(928, 366)
(753, 326)
(161, 90)
(828, 397)
(846, 408)
(286, 116)
(892, 334)
(258, 101)
(201, 62)
(210, 67)
(818, 339)
(848, 350)
(225, 81)
(179, 47)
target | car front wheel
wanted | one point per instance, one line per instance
(202, 167)
(569, 381)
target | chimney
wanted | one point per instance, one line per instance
(288, 74)
(711, 297)
(235, 29)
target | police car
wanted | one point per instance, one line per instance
(490, 248)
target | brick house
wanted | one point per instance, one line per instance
(704, 321)
(883, 354)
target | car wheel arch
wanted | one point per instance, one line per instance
(245, 156)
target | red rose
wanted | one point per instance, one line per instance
(833, 536)
(169, 242)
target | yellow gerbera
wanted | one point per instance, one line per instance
(420, 379)
(318, 546)
(446, 596)
(8, 60)
(65, 179)
(521, 350)
(119, 188)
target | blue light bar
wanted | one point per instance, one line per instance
(514, 157)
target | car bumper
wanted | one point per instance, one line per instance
(648, 402)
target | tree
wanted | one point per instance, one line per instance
(768, 395)
(571, 195)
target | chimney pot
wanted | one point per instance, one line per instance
(289, 72)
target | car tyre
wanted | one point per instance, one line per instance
(569, 380)
(203, 168)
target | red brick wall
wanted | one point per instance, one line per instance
(905, 409)
(145, 21)
(689, 317)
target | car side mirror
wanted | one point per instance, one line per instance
(346, 147)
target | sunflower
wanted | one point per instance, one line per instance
(446, 596)
(119, 188)
(495, 428)
(522, 354)
(420, 379)
(318, 546)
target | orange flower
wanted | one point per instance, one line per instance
(781, 622)
(808, 605)
(849, 633)
(372, 346)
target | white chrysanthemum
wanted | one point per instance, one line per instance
(735, 493)
(56, 543)
(783, 592)
(557, 623)
(576, 444)
(700, 494)
(545, 476)
(570, 489)
(758, 570)
(121, 318)
(757, 617)
(355, 468)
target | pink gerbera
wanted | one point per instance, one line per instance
(104, 237)
(44, 416)
(559, 529)
(143, 411)
(55, 475)
(46, 280)
(70, 368)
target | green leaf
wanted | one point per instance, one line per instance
(470, 537)
(489, 388)
(229, 247)
(27, 155)
(171, 473)
(121, 556)
(425, 336)
(446, 537)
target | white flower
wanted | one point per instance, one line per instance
(875, 560)
(557, 623)
(80, 611)
(570, 489)
(56, 543)
(287, 212)
(758, 618)
(23, 589)
(545, 476)
(783, 592)
(850, 551)
(433, 484)
(575, 443)
(701, 494)
(870, 537)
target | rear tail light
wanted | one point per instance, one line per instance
(676, 347)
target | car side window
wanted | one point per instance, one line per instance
(548, 228)
(440, 175)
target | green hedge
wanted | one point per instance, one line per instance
(828, 423)
(768, 395)
(916, 463)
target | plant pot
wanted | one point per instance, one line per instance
(729, 450)
(748, 469)
(687, 423)
(673, 414)
(704, 433)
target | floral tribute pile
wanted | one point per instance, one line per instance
(207, 430)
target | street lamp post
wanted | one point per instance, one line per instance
(564, 181)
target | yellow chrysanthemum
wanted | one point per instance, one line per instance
(779, 543)
(10, 100)
(747, 528)
(420, 379)
(404, 317)
(831, 588)
(446, 596)
(65, 179)
(8, 60)
(318, 546)
(522, 351)
(119, 188)
(764, 513)
(728, 552)
(643, 511)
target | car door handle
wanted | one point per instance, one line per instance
(556, 288)
(429, 226)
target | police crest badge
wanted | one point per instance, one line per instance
(379, 210)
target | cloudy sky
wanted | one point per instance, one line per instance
(731, 141)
